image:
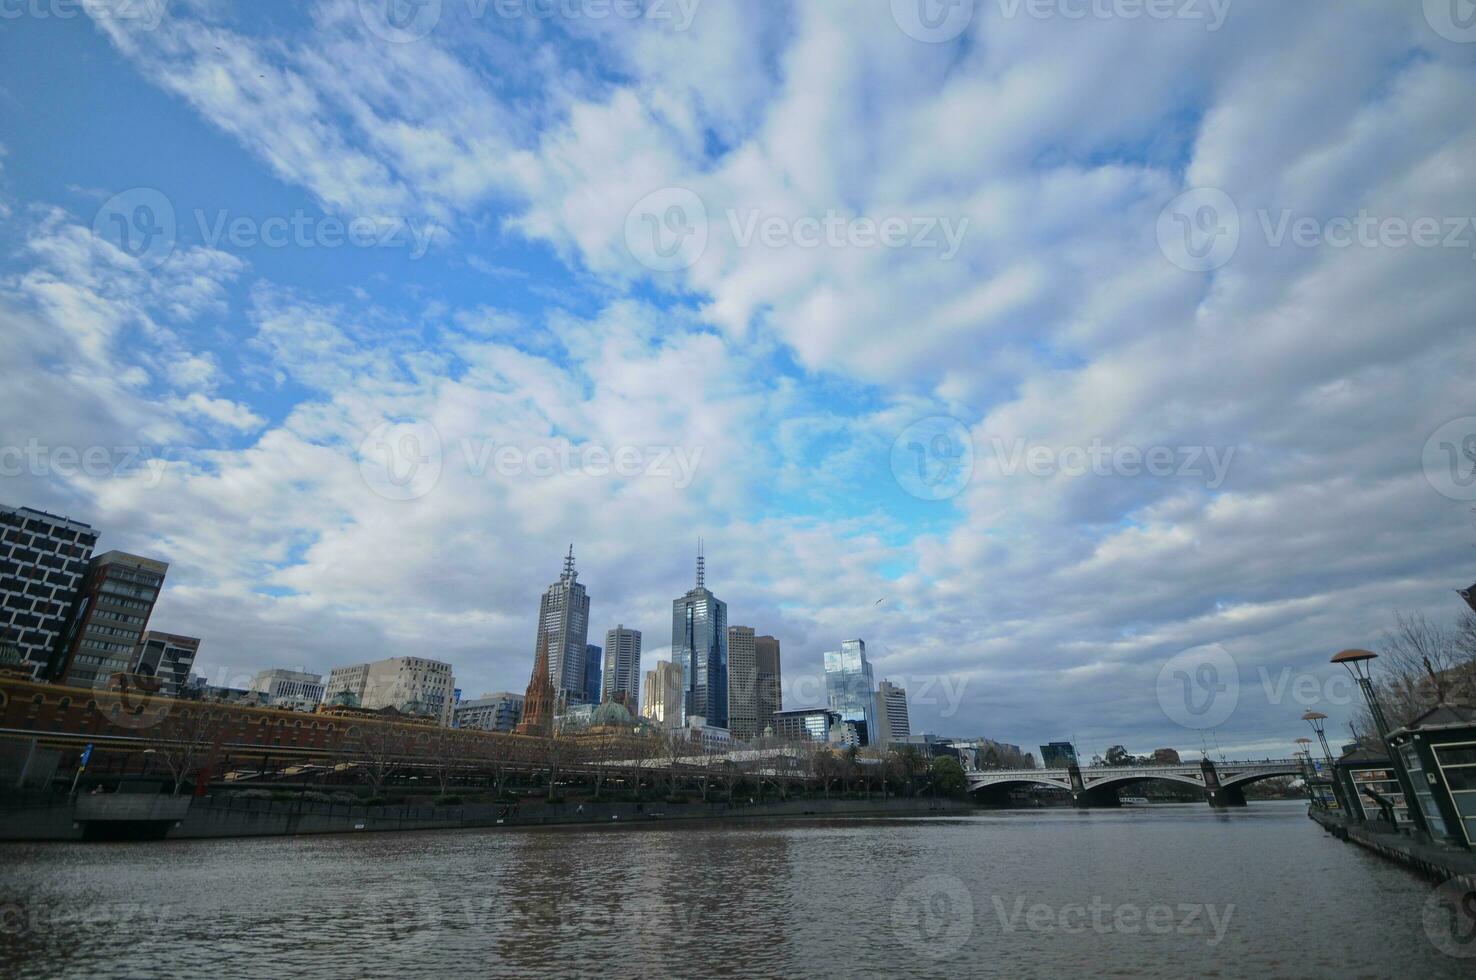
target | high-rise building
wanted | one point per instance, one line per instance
(110, 617)
(1057, 755)
(699, 642)
(43, 564)
(413, 685)
(593, 673)
(806, 724)
(168, 657)
(849, 688)
(563, 620)
(767, 680)
(498, 712)
(892, 723)
(623, 666)
(290, 688)
(538, 702)
(742, 683)
(661, 701)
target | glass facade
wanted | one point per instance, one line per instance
(1423, 796)
(849, 689)
(1458, 768)
(699, 642)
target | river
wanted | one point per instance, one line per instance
(1147, 891)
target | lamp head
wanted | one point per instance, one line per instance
(1315, 719)
(1356, 661)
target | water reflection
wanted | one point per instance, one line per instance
(1156, 892)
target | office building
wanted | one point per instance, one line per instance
(849, 689)
(43, 565)
(661, 701)
(499, 712)
(410, 685)
(168, 657)
(110, 617)
(282, 688)
(699, 642)
(563, 621)
(805, 724)
(623, 667)
(892, 723)
(593, 673)
(742, 683)
(767, 681)
(1057, 755)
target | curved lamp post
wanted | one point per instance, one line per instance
(1318, 721)
(1357, 663)
(1304, 756)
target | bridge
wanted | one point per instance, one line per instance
(1222, 783)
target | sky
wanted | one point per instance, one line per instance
(1104, 365)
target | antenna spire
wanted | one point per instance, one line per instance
(569, 562)
(701, 566)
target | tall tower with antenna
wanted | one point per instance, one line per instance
(699, 645)
(563, 626)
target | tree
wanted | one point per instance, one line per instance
(184, 740)
(1119, 756)
(948, 776)
(381, 749)
(911, 765)
(448, 751)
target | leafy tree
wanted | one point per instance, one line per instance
(948, 776)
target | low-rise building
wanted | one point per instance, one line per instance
(410, 685)
(296, 689)
(167, 656)
(805, 724)
(499, 712)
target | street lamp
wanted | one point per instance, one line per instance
(1357, 663)
(1303, 756)
(1318, 721)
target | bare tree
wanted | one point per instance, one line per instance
(1421, 664)
(448, 751)
(381, 750)
(185, 739)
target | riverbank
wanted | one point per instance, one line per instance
(1431, 861)
(154, 817)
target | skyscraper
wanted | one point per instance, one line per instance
(849, 688)
(563, 621)
(742, 683)
(661, 701)
(892, 723)
(699, 642)
(593, 675)
(110, 617)
(767, 680)
(623, 666)
(43, 564)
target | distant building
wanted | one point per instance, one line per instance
(805, 724)
(661, 701)
(540, 699)
(563, 622)
(768, 682)
(168, 657)
(110, 617)
(499, 712)
(1166, 757)
(699, 642)
(1057, 755)
(849, 689)
(593, 673)
(743, 712)
(709, 739)
(623, 667)
(892, 722)
(410, 685)
(284, 688)
(43, 565)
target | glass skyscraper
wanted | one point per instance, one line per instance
(699, 642)
(849, 689)
(563, 622)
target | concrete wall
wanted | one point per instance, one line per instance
(236, 817)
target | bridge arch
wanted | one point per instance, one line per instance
(1256, 777)
(1118, 782)
(1006, 783)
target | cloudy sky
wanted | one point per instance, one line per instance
(1106, 366)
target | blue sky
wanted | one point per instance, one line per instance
(771, 393)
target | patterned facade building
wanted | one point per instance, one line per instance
(43, 565)
(110, 617)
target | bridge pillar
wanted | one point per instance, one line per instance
(1214, 793)
(1097, 796)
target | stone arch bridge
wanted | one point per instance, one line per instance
(1221, 782)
